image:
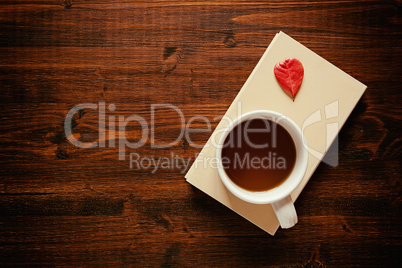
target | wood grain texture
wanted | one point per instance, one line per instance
(64, 206)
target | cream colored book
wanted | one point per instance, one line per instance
(325, 100)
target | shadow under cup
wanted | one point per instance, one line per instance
(296, 165)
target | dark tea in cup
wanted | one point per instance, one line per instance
(258, 154)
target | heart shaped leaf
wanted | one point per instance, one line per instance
(289, 74)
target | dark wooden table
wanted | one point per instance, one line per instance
(63, 205)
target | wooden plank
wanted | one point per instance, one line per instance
(67, 206)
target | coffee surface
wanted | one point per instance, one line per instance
(258, 155)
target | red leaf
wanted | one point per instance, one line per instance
(289, 74)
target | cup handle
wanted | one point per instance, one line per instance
(285, 212)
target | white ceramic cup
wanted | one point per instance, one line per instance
(279, 196)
